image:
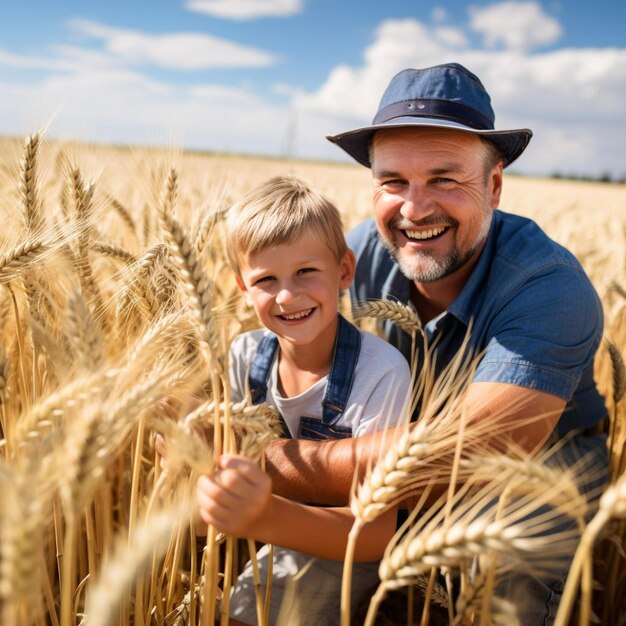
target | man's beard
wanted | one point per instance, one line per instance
(423, 267)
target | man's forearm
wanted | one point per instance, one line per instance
(322, 472)
(319, 472)
(322, 531)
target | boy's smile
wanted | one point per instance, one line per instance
(294, 288)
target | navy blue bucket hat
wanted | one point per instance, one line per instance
(442, 96)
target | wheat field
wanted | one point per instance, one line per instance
(115, 293)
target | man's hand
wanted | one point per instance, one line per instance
(236, 499)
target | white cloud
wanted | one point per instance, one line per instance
(9, 59)
(183, 51)
(122, 106)
(246, 9)
(515, 25)
(439, 14)
(452, 37)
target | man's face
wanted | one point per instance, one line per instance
(433, 198)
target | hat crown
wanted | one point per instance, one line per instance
(448, 83)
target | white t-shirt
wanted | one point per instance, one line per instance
(382, 383)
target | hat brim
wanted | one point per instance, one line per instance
(356, 142)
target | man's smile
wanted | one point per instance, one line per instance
(423, 235)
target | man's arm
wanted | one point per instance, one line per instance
(322, 472)
(237, 499)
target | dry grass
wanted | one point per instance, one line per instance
(114, 292)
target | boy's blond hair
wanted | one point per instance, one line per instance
(279, 211)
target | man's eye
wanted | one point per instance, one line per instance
(442, 180)
(393, 182)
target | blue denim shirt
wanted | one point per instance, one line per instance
(536, 318)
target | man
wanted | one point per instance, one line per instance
(439, 244)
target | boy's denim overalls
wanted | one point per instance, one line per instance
(338, 387)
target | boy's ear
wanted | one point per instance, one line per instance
(241, 284)
(347, 267)
(244, 290)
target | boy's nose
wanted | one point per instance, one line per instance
(285, 295)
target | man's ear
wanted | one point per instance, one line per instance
(495, 185)
(347, 267)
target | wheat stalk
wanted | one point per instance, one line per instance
(21, 525)
(4, 377)
(123, 213)
(149, 541)
(612, 505)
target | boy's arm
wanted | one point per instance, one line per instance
(238, 501)
(322, 472)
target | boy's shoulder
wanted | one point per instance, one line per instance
(245, 344)
(384, 354)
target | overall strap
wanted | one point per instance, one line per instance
(261, 366)
(342, 369)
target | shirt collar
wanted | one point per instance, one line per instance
(396, 286)
(467, 303)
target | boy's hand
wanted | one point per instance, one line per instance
(236, 499)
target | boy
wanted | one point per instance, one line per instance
(326, 378)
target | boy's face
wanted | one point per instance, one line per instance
(294, 288)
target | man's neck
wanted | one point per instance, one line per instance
(432, 299)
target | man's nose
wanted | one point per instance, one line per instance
(417, 203)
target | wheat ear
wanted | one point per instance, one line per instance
(31, 208)
(83, 334)
(501, 611)
(619, 372)
(400, 314)
(139, 291)
(22, 258)
(196, 284)
(113, 250)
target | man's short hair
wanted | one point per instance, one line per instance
(280, 211)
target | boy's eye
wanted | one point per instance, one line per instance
(306, 270)
(263, 279)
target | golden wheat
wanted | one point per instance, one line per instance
(90, 346)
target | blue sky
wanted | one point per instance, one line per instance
(274, 76)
